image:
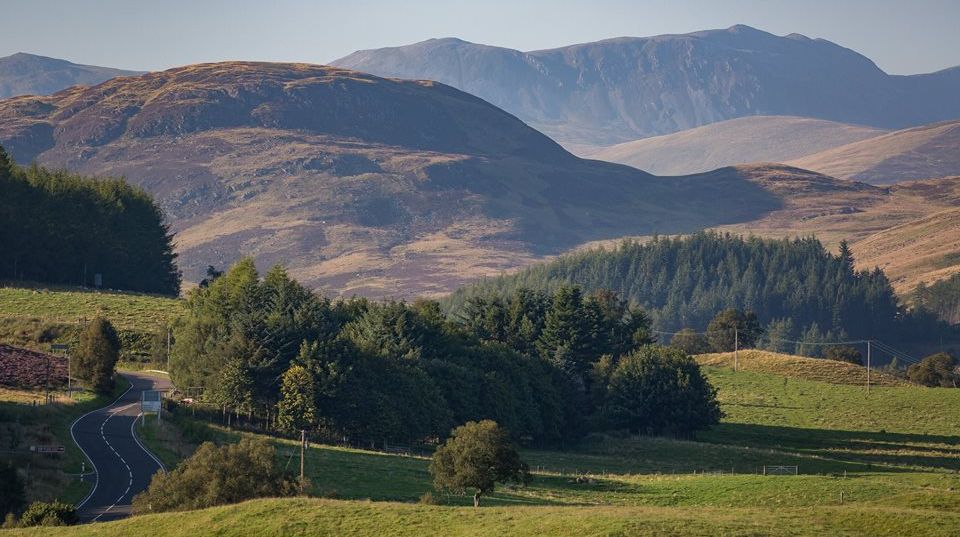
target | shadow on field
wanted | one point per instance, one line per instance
(891, 452)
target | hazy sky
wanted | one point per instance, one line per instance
(902, 37)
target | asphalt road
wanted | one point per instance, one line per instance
(122, 465)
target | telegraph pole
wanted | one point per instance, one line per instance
(868, 365)
(303, 443)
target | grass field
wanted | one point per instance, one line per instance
(316, 517)
(125, 310)
(891, 453)
(35, 317)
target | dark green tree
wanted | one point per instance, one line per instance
(570, 333)
(661, 390)
(477, 456)
(95, 357)
(734, 328)
(58, 227)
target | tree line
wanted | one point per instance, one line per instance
(795, 287)
(941, 298)
(61, 228)
(545, 366)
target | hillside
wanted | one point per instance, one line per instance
(358, 184)
(312, 517)
(622, 89)
(735, 141)
(801, 367)
(908, 229)
(919, 153)
(29, 74)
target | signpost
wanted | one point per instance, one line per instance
(151, 401)
(56, 450)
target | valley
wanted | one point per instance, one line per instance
(587, 268)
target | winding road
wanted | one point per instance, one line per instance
(122, 465)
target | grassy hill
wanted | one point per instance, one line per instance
(799, 367)
(918, 153)
(313, 517)
(35, 317)
(735, 141)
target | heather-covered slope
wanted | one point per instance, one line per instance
(357, 183)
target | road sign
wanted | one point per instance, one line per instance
(47, 449)
(59, 347)
(150, 401)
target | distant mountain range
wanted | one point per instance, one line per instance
(357, 183)
(619, 90)
(735, 141)
(29, 74)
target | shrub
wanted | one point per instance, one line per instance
(478, 455)
(935, 370)
(843, 353)
(49, 514)
(658, 390)
(216, 476)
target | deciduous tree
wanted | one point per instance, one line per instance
(477, 456)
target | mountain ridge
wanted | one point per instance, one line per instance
(626, 88)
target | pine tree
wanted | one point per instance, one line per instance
(297, 408)
(566, 338)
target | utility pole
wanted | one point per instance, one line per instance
(303, 443)
(168, 349)
(736, 349)
(868, 365)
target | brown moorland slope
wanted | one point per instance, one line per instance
(735, 141)
(359, 184)
(918, 153)
(910, 230)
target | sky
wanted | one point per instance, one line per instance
(902, 37)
